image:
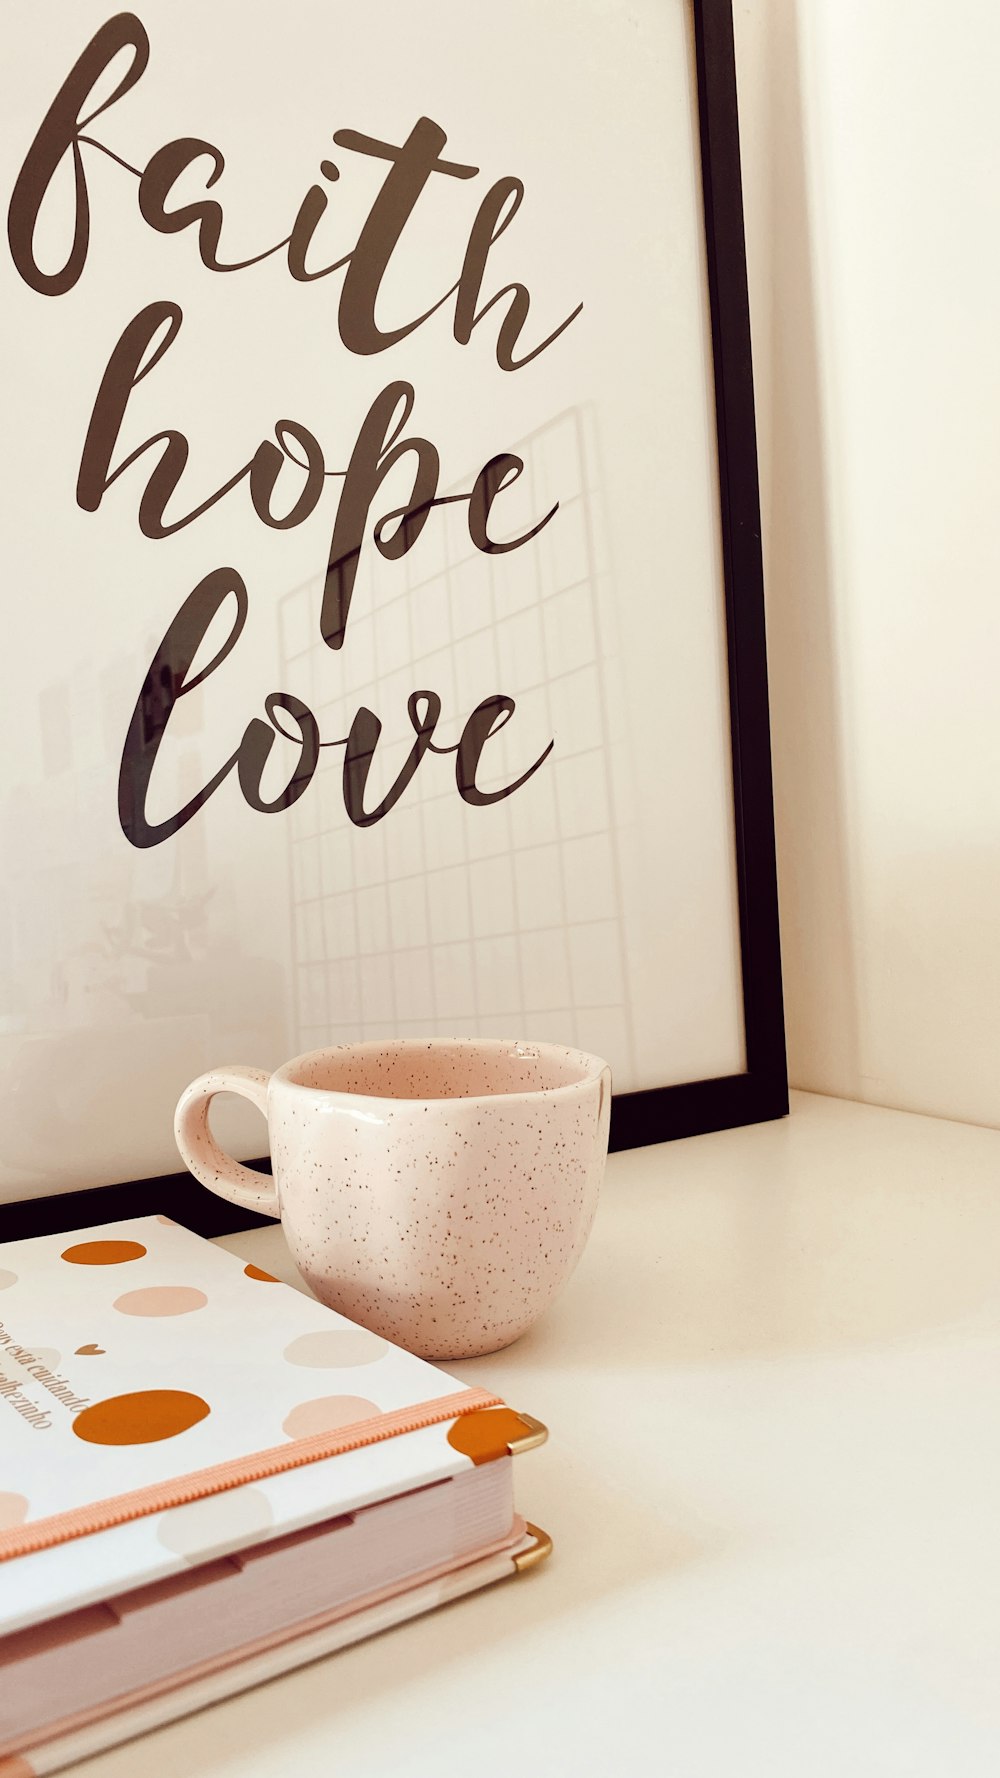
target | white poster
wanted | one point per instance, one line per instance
(365, 643)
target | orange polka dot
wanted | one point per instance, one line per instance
(103, 1253)
(161, 1299)
(486, 1433)
(140, 1418)
(262, 1277)
(325, 1413)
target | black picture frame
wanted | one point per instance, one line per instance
(760, 1092)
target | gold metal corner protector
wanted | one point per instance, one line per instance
(535, 1435)
(541, 1548)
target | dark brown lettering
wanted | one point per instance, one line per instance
(499, 473)
(410, 169)
(161, 174)
(491, 220)
(138, 351)
(58, 136)
(361, 743)
(167, 681)
(487, 719)
(373, 456)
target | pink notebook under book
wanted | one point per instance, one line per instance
(207, 1478)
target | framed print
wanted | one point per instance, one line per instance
(385, 636)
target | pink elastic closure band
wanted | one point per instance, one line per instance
(101, 1515)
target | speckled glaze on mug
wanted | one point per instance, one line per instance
(438, 1191)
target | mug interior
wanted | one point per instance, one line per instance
(441, 1069)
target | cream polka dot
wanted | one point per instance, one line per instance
(326, 1413)
(13, 1510)
(7, 1279)
(46, 1355)
(338, 1348)
(208, 1528)
(161, 1299)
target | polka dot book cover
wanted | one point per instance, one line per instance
(167, 1411)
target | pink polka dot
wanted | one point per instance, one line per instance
(13, 1510)
(205, 1529)
(336, 1348)
(161, 1299)
(325, 1413)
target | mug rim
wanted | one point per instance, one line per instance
(592, 1069)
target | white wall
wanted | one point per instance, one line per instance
(871, 150)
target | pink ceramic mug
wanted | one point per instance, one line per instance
(438, 1191)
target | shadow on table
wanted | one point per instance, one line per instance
(252, 1731)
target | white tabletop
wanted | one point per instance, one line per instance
(773, 1481)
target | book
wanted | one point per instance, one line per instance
(206, 1476)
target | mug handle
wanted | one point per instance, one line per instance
(201, 1153)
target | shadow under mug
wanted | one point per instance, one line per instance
(437, 1191)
